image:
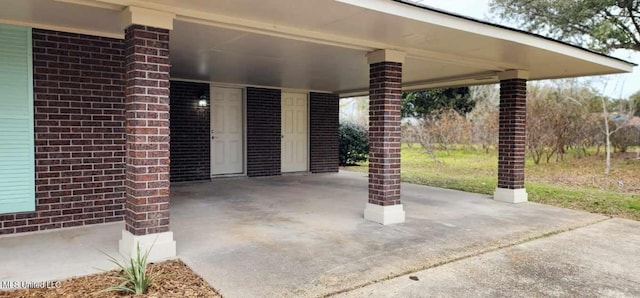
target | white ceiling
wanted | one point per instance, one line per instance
(230, 56)
(321, 44)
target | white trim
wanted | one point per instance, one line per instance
(385, 56)
(510, 195)
(147, 17)
(236, 85)
(449, 21)
(92, 3)
(162, 245)
(384, 215)
(513, 74)
(62, 28)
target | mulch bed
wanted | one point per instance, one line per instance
(175, 280)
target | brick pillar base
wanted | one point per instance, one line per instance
(147, 127)
(512, 132)
(385, 96)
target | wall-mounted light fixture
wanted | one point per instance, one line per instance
(203, 101)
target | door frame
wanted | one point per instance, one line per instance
(308, 99)
(243, 90)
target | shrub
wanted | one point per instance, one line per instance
(354, 143)
(133, 274)
(625, 137)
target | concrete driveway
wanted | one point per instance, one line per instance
(305, 236)
(600, 260)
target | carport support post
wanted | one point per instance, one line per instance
(512, 133)
(147, 134)
(385, 97)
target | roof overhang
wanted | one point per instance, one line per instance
(322, 45)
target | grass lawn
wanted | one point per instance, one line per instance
(577, 182)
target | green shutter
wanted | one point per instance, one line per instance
(17, 180)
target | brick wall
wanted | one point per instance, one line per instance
(79, 133)
(263, 132)
(324, 121)
(385, 95)
(190, 126)
(512, 133)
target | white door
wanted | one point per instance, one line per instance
(227, 146)
(294, 132)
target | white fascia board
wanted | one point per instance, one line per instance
(92, 3)
(441, 19)
(62, 28)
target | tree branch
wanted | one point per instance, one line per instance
(616, 21)
(633, 20)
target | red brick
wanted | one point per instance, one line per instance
(147, 114)
(70, 98)
(323, 128)
(512, 124)
(385, 82)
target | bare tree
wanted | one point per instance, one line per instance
(624, 138)
(424, 135)
(410, 131)
(541, 114)
(484, 117)
(612, 123)
(609, 123)
(355, 110)
(450, 129)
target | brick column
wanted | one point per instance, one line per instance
(385, 96)
(512, 133)
(324, 114)
(147, 140)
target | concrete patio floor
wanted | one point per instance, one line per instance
(305, 236)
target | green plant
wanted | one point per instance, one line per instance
(133, 273)
(354, 144)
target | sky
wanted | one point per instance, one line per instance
(615, 86)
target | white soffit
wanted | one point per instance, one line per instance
(55, 15)
(322, 44)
